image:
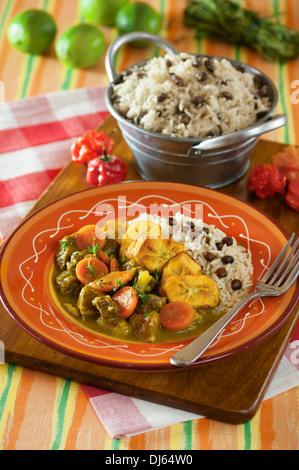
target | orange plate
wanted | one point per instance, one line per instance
(28, 256)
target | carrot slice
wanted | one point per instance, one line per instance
(113, 280)
(103, 257)
(90, 269)
(114, 265)
(86, 238)
(126, 298)
(176, 316)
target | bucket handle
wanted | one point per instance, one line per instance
(135, 36)
(256, 130)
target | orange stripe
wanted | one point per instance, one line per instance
(267, 437)
(80, 411)
(137, 442)
(285, 410)
(18, 7)
(37, 79)
(19, 409)
(204, 439)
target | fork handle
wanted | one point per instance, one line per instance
(194, 350)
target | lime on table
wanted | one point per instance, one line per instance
(81, 46)
(101, 12)
(32, 31)
(138, 17)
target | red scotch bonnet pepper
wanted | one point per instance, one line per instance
(94, 150)
(90, 145)
(292, 196)
(265, 180)
(105, 169)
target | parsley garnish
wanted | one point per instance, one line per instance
(123, 260)
(157, 275)
(63, 244)
(91, 269)
(94, 248)
(141, 295)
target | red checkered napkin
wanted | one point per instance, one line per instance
(35, 139)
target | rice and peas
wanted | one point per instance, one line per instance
(190, 96)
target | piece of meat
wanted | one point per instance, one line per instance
(86, 296)
(108, 309)
(67, 248)
(145, 327)
(67, 282)
(153, 302)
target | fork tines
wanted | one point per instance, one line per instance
(285, 268)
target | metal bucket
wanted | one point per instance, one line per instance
(212, 162)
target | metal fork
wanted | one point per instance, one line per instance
(277, 281)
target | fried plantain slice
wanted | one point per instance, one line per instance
(154, 254)
(139, 230)
(181, 264)
(197, 290)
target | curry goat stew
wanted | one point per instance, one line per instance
(136, 288)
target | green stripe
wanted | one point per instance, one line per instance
(45, 5)
(115, 445)
(281, 80)
(31, 58)
(68, 78)
(5, 14)
(187, 431)
(10, 372)
(247, 436)
(61, 410)
(30, 63)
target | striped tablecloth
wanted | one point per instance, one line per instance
(38, 411)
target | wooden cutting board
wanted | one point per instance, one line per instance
(229, 390)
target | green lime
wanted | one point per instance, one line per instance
(32, 31)
(81, 46)
(138, 17)
(101, 12)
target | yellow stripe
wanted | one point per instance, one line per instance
(8, 410)
(255, 432)
(240, 437)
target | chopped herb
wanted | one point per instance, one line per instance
(118, 282)
(91, 269)
(141, 295)
(63, 244)
(157, 275)
(123, 260)
(94, 248)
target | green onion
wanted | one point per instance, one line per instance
(226, 20)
